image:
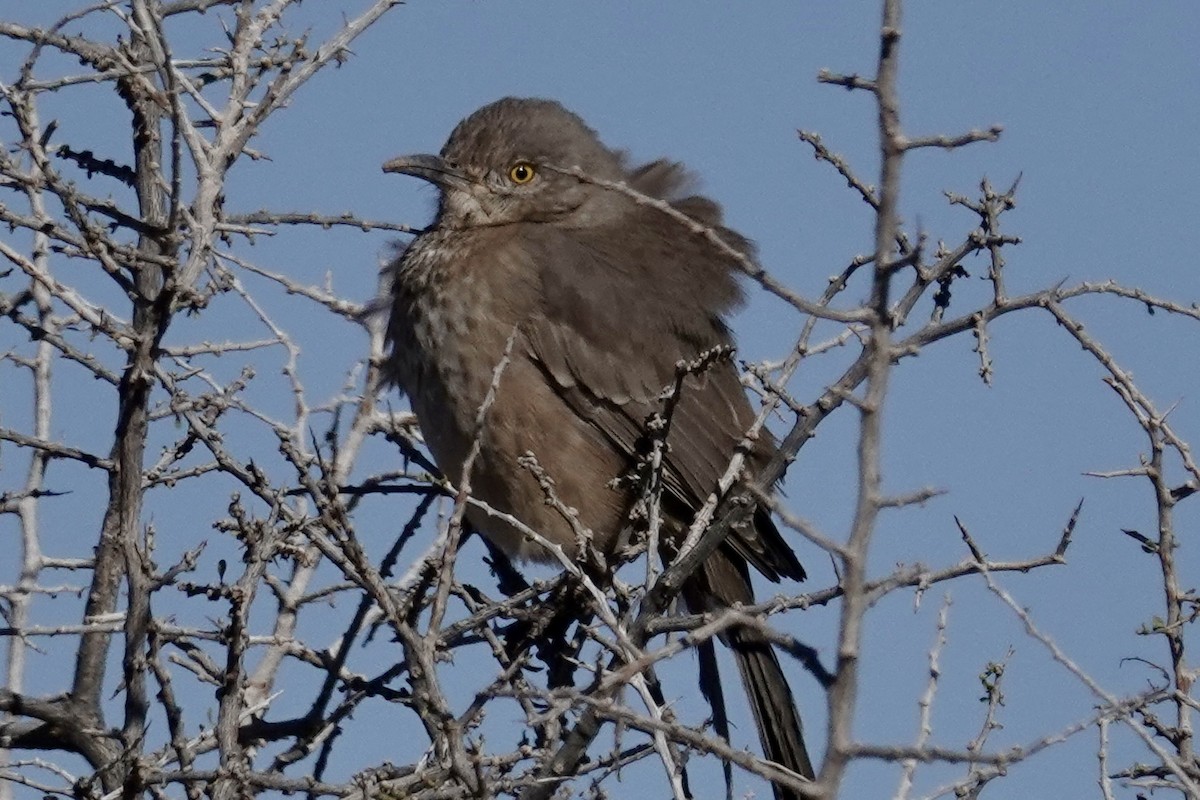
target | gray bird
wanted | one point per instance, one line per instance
(601, 297)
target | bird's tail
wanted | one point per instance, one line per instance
(722, 581)
(774, 708)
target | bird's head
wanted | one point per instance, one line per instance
(503, 164)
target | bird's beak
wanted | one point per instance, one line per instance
(430, 168)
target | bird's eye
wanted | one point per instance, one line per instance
(521, 173)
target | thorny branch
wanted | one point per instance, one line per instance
(291, 589)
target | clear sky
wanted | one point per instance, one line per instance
(1100, 104)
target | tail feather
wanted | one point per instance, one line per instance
(774, 708)
(722, 582)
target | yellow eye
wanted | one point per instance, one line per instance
(521, 173)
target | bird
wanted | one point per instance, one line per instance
(588, 298)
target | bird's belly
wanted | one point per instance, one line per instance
(457, 359)
(524, 418)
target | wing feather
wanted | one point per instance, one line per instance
(651, 302)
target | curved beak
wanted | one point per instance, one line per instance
(430, 168)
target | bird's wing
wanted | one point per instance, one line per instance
(617, 315)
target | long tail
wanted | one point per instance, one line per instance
(722, 581)
(774, 708)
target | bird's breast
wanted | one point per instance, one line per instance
(458, 299)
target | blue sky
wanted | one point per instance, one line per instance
(1100, 108)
